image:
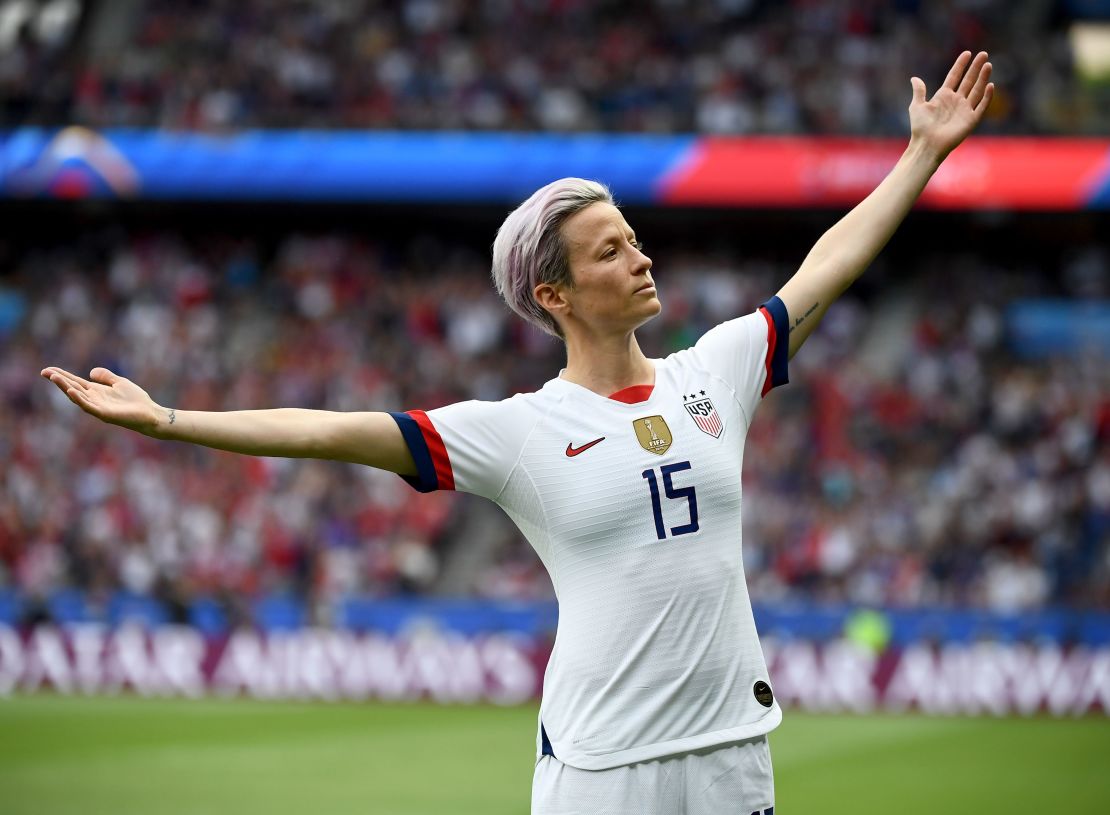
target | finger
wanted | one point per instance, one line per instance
(973, 73)
(980, 87)
(103, 376)
(952, 81)
(919, 91)
(55, 369)
(52, 370)
(985, 102)
(64, 379)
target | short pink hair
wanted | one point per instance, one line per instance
(529, 247)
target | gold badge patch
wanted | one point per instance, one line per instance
(653, 434)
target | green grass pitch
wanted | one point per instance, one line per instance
(156, 757)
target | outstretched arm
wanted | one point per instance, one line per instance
(362, 438)
(937, 126)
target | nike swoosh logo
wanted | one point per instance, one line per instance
(572, 451)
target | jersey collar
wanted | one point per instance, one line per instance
(633, 394)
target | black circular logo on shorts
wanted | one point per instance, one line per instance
(763, 693)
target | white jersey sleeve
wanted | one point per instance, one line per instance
(468, 446)
(749, 353)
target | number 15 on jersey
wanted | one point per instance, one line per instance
(673, 493)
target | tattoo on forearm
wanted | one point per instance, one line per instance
(173, 415)
(798, 320)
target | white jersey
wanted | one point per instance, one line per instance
(633, 503)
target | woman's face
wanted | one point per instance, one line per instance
(613, 291)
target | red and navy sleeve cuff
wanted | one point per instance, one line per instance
(433, 466)
(778, 343)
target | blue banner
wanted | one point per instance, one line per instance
(326, 166)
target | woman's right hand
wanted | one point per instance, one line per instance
(108, 397)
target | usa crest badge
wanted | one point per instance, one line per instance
(705, 416)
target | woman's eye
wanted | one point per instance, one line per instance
(639, 245)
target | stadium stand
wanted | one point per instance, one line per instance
(667, 66)
(1007, 451)
(947, 465)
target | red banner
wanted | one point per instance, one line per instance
(983, 173)
(303, 664)
(982, 678)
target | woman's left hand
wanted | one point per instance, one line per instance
(941, 123)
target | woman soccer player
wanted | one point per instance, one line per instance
(623, 472)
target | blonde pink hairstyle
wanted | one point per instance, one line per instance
(529, 248)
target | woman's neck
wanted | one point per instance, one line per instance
(608, 367)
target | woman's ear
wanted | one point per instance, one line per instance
(552, 299)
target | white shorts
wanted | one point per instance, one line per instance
(734, 779)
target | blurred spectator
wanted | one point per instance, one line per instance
(947, 471)
(662, 66)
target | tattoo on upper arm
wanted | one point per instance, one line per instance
(799, 320)
(173, 415)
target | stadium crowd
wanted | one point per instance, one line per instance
(664, 66)
(916, 461)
